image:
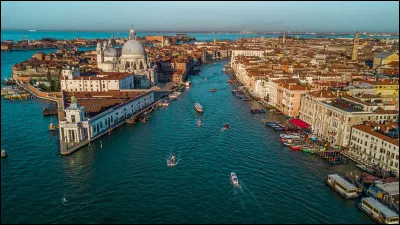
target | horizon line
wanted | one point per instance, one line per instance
(205, 31)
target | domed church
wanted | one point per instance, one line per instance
(132, 58)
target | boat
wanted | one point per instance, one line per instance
(257, 111)
(198, 107)
(173, 96)
(305, 149)
(226, 126)
(213, 90)
(199, 123)
(164, 103)
(32, 30)
(378, 211)
(188, 84)
(52, 127)
(177, 93)
(234, 179)
(172, 162)
(287, 143)
(295, 147)
(342, 186)
(3, 154)
(364, 168)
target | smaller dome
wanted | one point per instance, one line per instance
(110, 52)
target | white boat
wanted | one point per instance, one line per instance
(188, 84)
(172, 161)
(32, 30)
(342, 186)
(378, 211)
(199, 123)
(173, 96)
(164, 103)
(198, 107)
(234, 179)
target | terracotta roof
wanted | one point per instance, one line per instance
(369, 130)
(98, 102)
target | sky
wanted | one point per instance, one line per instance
(202, 16)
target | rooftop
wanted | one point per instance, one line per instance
(98, 102)
(345, 105)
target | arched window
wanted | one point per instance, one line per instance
(141, 65)
(134, 66)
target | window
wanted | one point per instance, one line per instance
(73, 118)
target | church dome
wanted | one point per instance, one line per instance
(133, 47)
(110, 52)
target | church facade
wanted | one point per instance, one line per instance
(132, 58)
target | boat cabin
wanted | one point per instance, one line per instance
(378, 211)
(342, 186)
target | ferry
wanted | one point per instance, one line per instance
(234, 179)
(378, 211)
(198, 107)
(342, 186)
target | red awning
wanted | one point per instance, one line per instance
(299, 123)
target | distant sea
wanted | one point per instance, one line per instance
(68, 35)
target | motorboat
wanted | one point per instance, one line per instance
(172, 96)
(226, 126)
(172, 161)
(213, 90)
(52, 127)
(164, 103)
(199, 123)
(198, 107)
(234, 179)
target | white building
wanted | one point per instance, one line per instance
(78, 127)
(101, 82)
(133, 59)
(372, 142)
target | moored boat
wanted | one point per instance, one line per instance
(342, 186)
(3, 154)
(172, 96)
(378, 211)
(295, 147)
(364, 168)
(198, 107)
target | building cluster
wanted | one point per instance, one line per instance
(49, 43)
(340, 87)
(114, 84)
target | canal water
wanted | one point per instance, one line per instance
(128, 180)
